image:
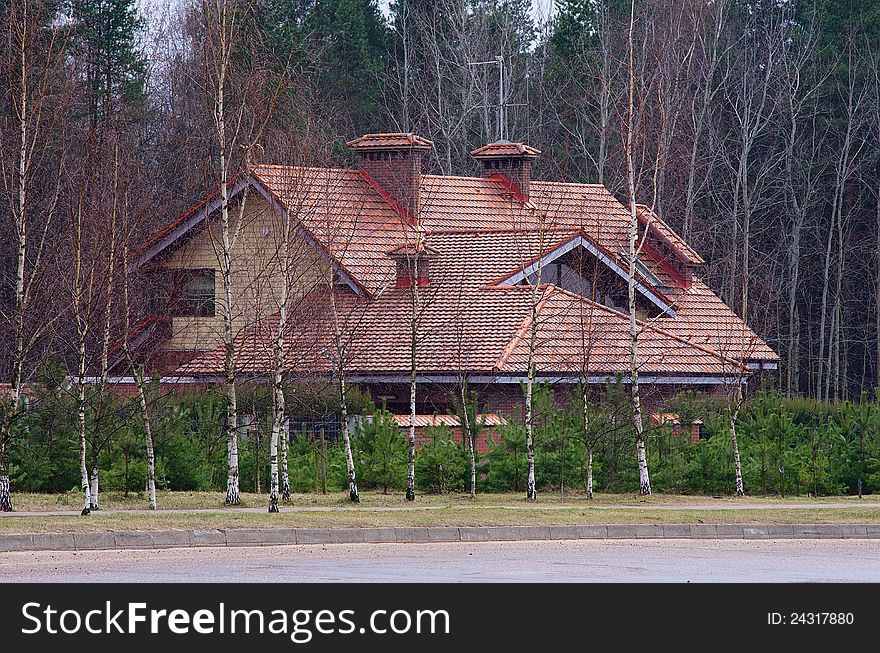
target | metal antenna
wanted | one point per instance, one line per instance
(502, 106)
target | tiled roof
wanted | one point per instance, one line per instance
(343, 213)
(684, 251)
(504, 148)
(480, 234)
(422, 421)
(386, 141)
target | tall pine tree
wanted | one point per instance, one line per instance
(114, 70)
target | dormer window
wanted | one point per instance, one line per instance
(406, 268)
(413, 263)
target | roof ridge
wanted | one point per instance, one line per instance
(500, 230)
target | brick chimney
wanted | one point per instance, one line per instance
(392, 163)
(510, 163)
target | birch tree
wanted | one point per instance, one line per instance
(241, 94)
(136, 366)
(32, 59)
(632, 254)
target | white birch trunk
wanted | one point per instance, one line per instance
(81, 431)
(233, 492)
(737, 467)
(468, 433)
(587, 440)
(148, 432)
(472, 445)
(93, 491)
(644, 479)
(531, 485)
(285, 475)
(339, 368)
(277, 432)
(353, 494)
(411, 464)
(590, 472)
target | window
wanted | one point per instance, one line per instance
(194, 293)
(643, 270)
(405, 272)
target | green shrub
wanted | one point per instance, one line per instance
(441, 463)
(381, 452)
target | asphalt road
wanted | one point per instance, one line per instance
(557, 561)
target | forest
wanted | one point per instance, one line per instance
(752, 127)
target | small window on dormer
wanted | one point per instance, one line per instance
(405, 272)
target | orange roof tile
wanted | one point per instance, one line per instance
(387, 141)
(480, 234)
(504, 148)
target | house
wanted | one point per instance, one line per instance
(485, 256)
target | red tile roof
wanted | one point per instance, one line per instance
(480, 235)
(675, 242)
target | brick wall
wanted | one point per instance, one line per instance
(399, 173)
(517, 169)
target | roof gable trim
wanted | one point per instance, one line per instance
(580, 241)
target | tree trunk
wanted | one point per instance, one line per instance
(277, 432)
(414, 323)
(635, 399)
(737, 467)
(353, 494)
(5, 486)
(233, 494)
(411, 463)
(590, 472)
(467, 433)
(148, 432)
(285, 476)
(81, 431)
(93, 493)
(531, 486)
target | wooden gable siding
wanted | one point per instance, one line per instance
(257, 275)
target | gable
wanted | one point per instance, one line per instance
(528, 273)
(187, 241)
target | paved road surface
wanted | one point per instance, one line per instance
(558, 561)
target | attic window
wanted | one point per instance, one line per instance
(405, 272)
(643, 271)
(194, 294)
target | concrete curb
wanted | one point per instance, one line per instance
(408, 535)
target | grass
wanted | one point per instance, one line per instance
(30, 502)
(449, 510)
(440, 517)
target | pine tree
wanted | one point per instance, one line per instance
(114, 70)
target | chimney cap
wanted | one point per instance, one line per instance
(503, 149)
(390, 141)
